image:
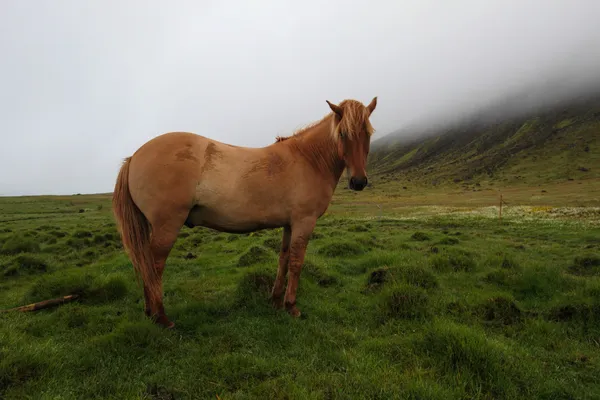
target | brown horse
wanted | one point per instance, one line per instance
(181, 178)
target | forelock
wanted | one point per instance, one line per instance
(355, 120)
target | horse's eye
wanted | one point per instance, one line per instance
(342, 135)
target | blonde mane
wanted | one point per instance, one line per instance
(355, 120)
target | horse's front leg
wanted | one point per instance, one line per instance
(284, 257)
(301, 232)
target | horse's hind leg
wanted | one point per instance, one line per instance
(164, 236)
(301, 231)
(282, 270)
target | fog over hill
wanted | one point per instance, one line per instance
(572, 86)
(541, 133)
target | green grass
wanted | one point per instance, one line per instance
(400, 301)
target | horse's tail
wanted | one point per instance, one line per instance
(135, 231)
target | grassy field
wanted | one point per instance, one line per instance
(405, 293)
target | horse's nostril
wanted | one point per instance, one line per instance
(358, 183)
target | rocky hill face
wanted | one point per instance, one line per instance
(557, 141)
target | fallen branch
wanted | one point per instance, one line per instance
(44, 304)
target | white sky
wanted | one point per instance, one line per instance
(83, 84)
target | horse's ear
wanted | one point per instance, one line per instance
(372, 105)
(335, 108)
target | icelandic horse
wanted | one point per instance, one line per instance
(181, 178)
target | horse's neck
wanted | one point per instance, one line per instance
(320, 150)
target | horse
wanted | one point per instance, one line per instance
(181, 179)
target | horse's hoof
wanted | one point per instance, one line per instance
(166, 324)
(163, 321)
(294, 312)
(277, 301)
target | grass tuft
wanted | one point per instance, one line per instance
(588, 265)
(273, 244)
(19, 367)
(405, 302)
(453, 261)
(420, 236)
(341, 249)
(254, 255)
(448, 241)
(254, 288)
(19, 244)
(500, 310)
(90, 288)
(26, 264)
(418, 276)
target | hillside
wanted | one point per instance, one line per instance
(543, 144)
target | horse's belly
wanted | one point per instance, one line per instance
(234, 220)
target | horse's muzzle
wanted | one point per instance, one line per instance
(358, 184)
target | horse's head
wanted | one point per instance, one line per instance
(352, 132)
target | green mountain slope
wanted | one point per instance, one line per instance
(560, 142)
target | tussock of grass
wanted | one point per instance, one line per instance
(131, 336)
(156, 392)
(17, 368)
(273, 244)
(198, 239)
(19, 244)
(420, 236)
(418, 276)
(78, 243)
(376, 280)
(580, 310)
(316, 235)
(502, 278)
(59, 234)
(80, 234)
(91, 289)
(233, 238)
(448, 241)
(467, 358)
(540, 282)
(73, 317)
(317, 274)
(453, 261)
(537, 282)
(25, 264)
(404, 302)
(502, 261)
(341, 249)
(358, 228)
(500, 310)
(588, 265)
(105, 237)
(254, 255)
(254, 288)
(508, 263)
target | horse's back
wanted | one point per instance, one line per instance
(185, 169)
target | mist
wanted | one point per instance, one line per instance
(84, 84)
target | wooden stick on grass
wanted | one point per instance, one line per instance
(44, 304)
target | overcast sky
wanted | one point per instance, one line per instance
(83, 84)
